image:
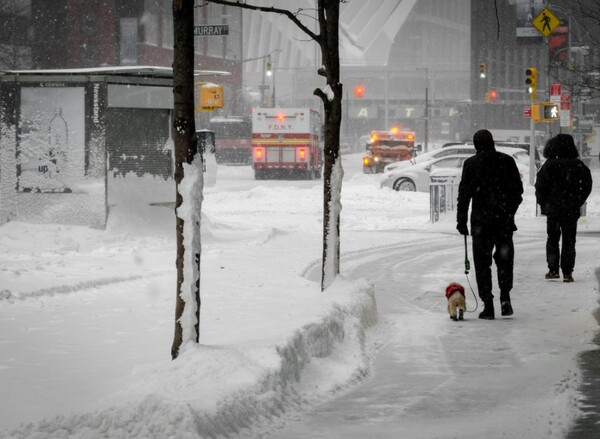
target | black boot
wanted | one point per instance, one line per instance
(507, 308)
(488, 311)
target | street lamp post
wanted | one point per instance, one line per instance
(262, 88)
(427, 116)
(273, 95)
(426, 128)
(265, 72)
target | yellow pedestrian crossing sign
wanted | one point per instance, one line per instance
(545, 22)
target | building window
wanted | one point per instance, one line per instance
(149, 22)
(128, 28)
(167, 24)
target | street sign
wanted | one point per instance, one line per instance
(545, 22)
(527, 112)
(211, 30)
(555, 89)
(583, 124)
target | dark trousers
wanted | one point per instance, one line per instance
(501, 244)
(555, 257)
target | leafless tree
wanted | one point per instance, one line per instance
(579, 67)
(327, 15)
(187, 160)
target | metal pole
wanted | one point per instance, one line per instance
(273, 97)
(262, 91)
(385, 97)
(532, 168)
(426, 117)
(294, 76)
(347, 114)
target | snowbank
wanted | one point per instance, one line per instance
(248, 384)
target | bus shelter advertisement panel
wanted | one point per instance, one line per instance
(51, 147)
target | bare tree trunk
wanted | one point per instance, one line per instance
(332, 174)
(185, 153)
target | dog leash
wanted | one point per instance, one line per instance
(467, 268)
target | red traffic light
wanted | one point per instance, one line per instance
(359, 91)
(491, 96)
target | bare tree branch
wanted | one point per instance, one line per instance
(292, 16)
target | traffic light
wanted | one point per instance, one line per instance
(269, 66)
(531, 81)
(359, 91)
(482, 71)
(545, 112)
(491, 96)
(551, 112)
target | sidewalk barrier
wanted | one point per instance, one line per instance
(443, 193)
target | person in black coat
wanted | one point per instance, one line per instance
(492, 182)
(562, 186)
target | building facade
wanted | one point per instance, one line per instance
(68, 34)
(411, 57)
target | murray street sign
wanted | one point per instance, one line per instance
(211, 30)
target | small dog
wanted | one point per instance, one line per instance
(455, 293)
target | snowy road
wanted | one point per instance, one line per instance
(448, 379)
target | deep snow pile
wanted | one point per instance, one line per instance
(211, 391)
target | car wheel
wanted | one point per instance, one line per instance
(405, 184)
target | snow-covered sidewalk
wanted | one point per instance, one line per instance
(104, 323)
(86, 316)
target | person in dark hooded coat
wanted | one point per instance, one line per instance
(491, 182)
(562, 186)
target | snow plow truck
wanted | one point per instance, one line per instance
(386, 147)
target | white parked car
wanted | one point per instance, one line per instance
(432, 155)
(418, 176)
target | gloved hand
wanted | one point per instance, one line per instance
(462, 228)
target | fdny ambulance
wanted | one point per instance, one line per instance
(286, 143)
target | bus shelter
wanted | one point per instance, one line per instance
(70, 138)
